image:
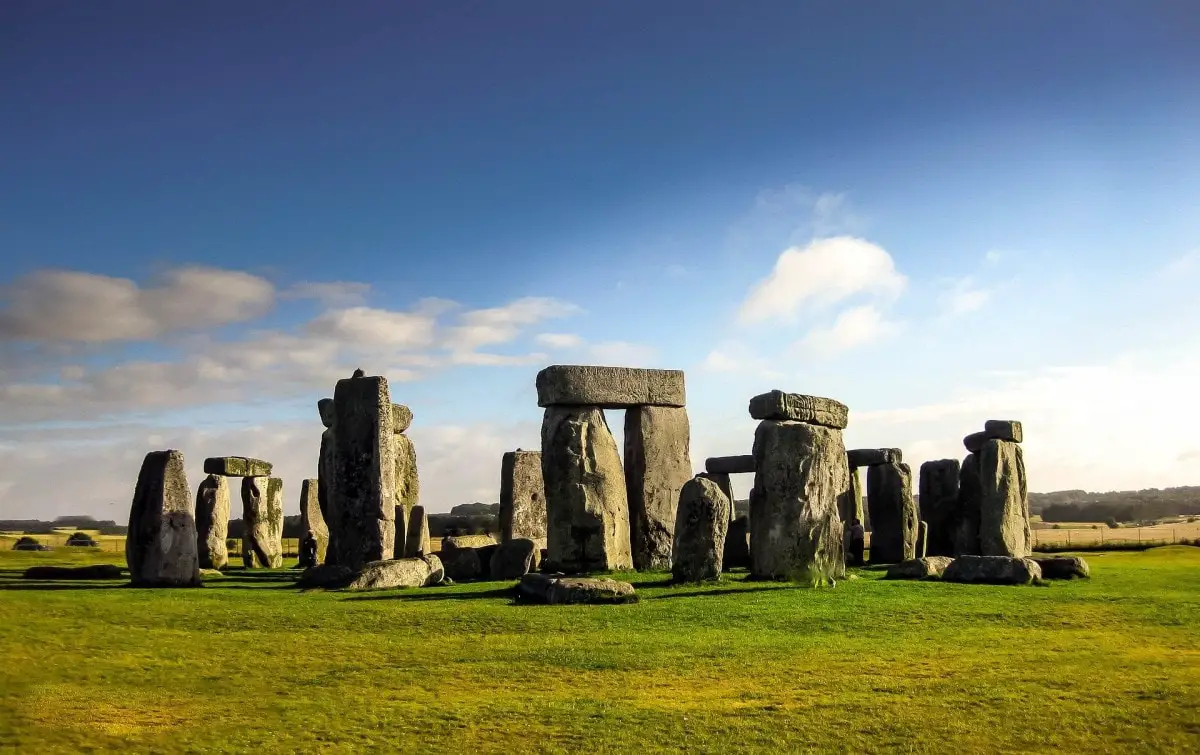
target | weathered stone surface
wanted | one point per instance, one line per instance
(851, 507)
(609, 387)
(657, 465)
(919, 568)
(93, 571)
(311, 518)
(966, 533)
(701, 524)
(868, 457)
(815, 410)
(992, 570)
(212, 522)
(262, 521)
(737, 545)
(562, 590)
(326, 469)
(160, 548)
(1004, 501)
(325, 409)
(416, 541)
(723, 482)
(461, 564)
(922, 539)
(401, 521)
(1004, 429)
(894, 519)
(364, 479)
(408, 484)
(514, 559)
(974, 442)
(402, 572)
(325, 575)
(402, 418)
(729, 464)
(468, 541)
(800, 483)
(522, 496)
(939, 504)
(1063, 567)
(237, 466)
(587, 511)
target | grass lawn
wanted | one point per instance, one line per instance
(247, 661)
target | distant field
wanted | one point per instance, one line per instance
(1081, 534)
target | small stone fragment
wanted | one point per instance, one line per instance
(730, 464)
(929, 567)
(608, 387)
(993, 570)
(797, 407)
(701, 524)
(867, 457)
(161, 544)
(1063, 567)
(1004, 429)
(402, 418)
(237, 466)
(212, 522)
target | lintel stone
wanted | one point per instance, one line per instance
(729, 464)
(814, 410)
(237, 466)
(869, 457)
(609, 387)
(974, 442)
(1003, 429)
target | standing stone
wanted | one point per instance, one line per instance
(262, 521)
(586, 507)
(326, 468)
(364, 503)
(922, 539)
(311, 518)
(939, 504)
(701, 523)
(522, 497)
(657, 465)
(514, 558)
(966, 534)
(401, 520)
(724, 483)
(416, 540)
(408, 485)
(212, 522)
(801, 480)
(1004, 501)
(160, 548)
(852, 504)
(737, 544)
(893, 513)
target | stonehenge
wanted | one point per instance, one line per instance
(522, 497)
(894, 519)
(701, 524)
(325, 470)
(416, 540)
(993, 494)
(939, 504)
(408, 487)
(657, 465)
(237, 466)
(161, 544)
(363, 504)
(312, 520)
(262, 522)
(212, 522)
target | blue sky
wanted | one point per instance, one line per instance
(937, 213)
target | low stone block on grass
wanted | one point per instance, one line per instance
(399, 572)
(558, 589)
(1063, 567)
(514, 559)
(929, 567)
(993, 570)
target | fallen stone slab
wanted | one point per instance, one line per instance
(400, 572)
(237, 466)
(514, 559)
(869, 457)
(608, 387)
(974, 442)
(930, 567)
(325, 575)
(557, 589)
(467, 541)
(992, 570)
(94, 571)
(1004, 429)
(729, 464)
(402, 418)
(1063, 567)
(815, 410)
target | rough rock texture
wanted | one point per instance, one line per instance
(992, 570)
(974, 442)
(402, 418)
(416, 540)
(522, 496)
(737, 545)
(402, 572)
(723, 482)
(701, 524)
(93, 571)
(868, 457)
(558, 589)
(587, 511)
(326, 469)
(408, 485)
(800, 483)
(363, 493)
(609, 387)
(966, 533)
(919, 568)
(212, 522)
(262, 521)
(160, 548)
(461, 564)
(939, 504)
(1063, 567)
(922, 539)
(514, 559)
(468, 541)
(325, 575)
(852, 505)
(657, 465)
(777, 405)
(893, 513)
(1004, 429)
(237, 466)
(311, 518)
(729, 464)
(1003, 501)
(325, 409)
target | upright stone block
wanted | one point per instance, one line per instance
(800, 482)
(966, 534)
(608, 387)
(701, 523)
(364, 491)
(416, 541)
(212, 522)
(587, 511)
(894, 519)
(737, 544)
(657, 465)
(160, 547)
(797, 407)
(724, 483)
(1004, 501)
(852, 504)
(408, 485)
(522, 497)
(326, 470)
(311, 518)
(939, 504)
(262, 521)
(922, 539)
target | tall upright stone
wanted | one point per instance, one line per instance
(404, 454)
(922, 539)
(160, 547)
(586, 507)
(522, 497)
(416, 540)
(657, 465)
(311, 518)
(1004, 500)
(212, 522)
(970, 491)
(939, 504)
(326, 469)
(364, 503)
(852, 504)
(262, 521)
(702, 521)
(894, 518)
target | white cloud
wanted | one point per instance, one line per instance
(963, 297)
(622, 354)
(854, 327)
(329, 293)
(559, 340)
(737, 358)
(822, 273)
(365, 325)
(993, 256)
(497, 325)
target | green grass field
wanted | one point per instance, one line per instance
(248, 662)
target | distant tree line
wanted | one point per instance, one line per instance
(39, 527)
(1124, 506)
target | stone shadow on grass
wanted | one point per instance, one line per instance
(35, 584)
(417, 594)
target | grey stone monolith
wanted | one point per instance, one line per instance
(723, 482)
(966, 532)
(326, 469)
(1004, 528)
(262, 521)
(416, 540)
(587, 511)
(514, 558)
(408, 484)
(522, 497)
(311, 518)
(922, 539)
(852, 504)
(701, 523)
(364, 503)
(161, 544)
(657, 465)
(939, 504)
(894, 518)
(212, 522)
